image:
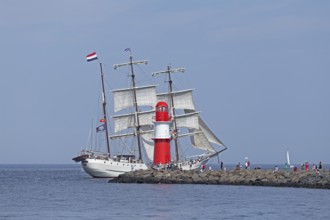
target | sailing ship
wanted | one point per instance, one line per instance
(140, 102)
(105, 164)
(201, 136)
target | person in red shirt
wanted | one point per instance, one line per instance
(306, 166)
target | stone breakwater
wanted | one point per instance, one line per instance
(236, 177)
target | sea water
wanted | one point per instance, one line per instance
(66, 192)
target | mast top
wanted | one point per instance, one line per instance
(169, 71)
(130, 63)
(131, 60)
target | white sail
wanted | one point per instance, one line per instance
(182, 99)
(209, 135)
(200, 141)
(189, 120)
(123, 122)
(148, 144)
(124, 98)
(288, 158)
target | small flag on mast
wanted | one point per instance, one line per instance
(101, 128)
(91, 57)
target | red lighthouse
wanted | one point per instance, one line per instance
(162, 152)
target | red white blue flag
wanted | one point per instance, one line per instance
(91, 57)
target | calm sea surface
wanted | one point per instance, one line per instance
(66, 192)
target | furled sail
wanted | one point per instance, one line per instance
(124, 98)
(182, 99)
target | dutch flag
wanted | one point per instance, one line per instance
(91, 57)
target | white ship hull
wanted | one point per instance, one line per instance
(192, 166)
(100, 168)
(183, 165)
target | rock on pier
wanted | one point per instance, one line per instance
(236, 177)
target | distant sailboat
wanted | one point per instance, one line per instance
(288, 159)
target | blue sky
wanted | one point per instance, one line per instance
(260, 70)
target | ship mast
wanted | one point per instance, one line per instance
(105, 111)
(169, 71)
(131, 63)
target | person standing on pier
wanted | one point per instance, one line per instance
(320, 165)
(306, 166)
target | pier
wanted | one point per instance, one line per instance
(255, 177)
